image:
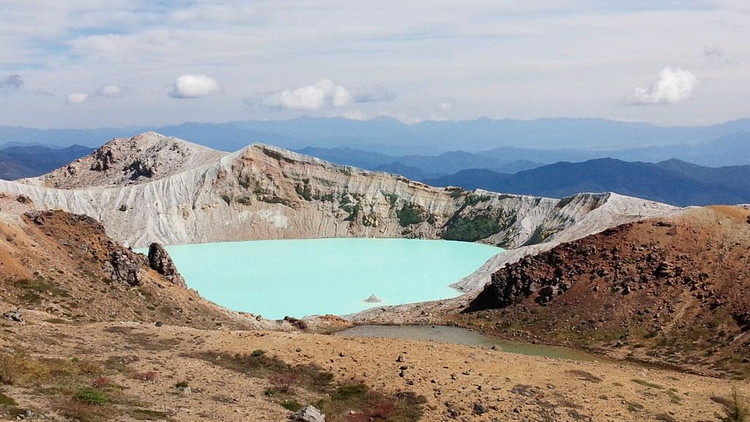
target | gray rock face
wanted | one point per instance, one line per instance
(160, 261)
(309, 413)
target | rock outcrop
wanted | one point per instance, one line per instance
(160, 261)
(124, 266)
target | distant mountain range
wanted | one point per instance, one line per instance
(32, 160)
(542, 140)
(673, 182)
(545, 157)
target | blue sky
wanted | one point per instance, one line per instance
(96, 63)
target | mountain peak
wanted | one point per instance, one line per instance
(126, 161)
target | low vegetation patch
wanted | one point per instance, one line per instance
(91, 396)
(412, 213)
(736, 407)
(291, 386)
(647, 383)
(148, 415)
(584, 376)
(471, 229)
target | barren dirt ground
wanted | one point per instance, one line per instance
(146, 363)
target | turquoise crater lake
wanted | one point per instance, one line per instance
(276, 278)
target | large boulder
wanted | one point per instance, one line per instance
(160, 261)
(309, 413)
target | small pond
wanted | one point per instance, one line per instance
(457, 335)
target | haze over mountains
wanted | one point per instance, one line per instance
(32, 160)
(544, 157)
(564, 139)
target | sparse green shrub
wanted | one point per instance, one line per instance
(471, 229)
(257, 352)
(291, 405)
(347, 391)
(412, 213)
(244, 200)
(474, 198)
(391, 197)
(326, 197)
(646, 383)
(6, 401)
(664, 417)
(736, 407)
(91, 396)
(148, 414)
(182, 384)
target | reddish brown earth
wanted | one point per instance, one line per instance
(65, 264)
(672, 291)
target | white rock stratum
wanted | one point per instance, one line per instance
(154, 188)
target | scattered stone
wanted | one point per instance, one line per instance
(479, 409)
(402, 372)
(309, 413)
(373, 299)
(14, 316)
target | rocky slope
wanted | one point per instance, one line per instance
(669, 290)
(65, 265)
(263, 192)
(127, 161)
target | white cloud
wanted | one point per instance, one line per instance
(77, 98)
(322, 94)
(110, 91)
(195, 86)
(674, 85)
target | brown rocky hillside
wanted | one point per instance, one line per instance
(671, 290)
(64, 264)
